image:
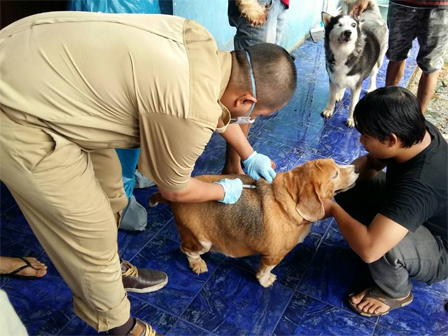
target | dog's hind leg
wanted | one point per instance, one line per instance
(353, 101)
(264, 275)
(328, 112)
(193, 249)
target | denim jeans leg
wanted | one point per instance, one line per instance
(247, 35)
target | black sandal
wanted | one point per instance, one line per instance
(376, 293)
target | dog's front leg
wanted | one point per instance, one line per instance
(328, 112)
(193, 250)
(353, 101)
(197, 264)
(372, 82)
(340, 95)
(264, 275)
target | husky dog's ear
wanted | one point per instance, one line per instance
(326, 18)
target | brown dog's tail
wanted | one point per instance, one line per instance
(156, 199)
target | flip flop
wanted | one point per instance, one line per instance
(376, 293)
(14, 274)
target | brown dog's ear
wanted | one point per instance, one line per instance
(326, 18)
(310, 206)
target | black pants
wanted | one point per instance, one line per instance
(419, 255)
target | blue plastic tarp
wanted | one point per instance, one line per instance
(115, 6)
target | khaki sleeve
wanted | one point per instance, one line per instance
(169, 148)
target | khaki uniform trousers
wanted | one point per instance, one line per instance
(71, 199)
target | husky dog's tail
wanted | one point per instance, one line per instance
(348, 5)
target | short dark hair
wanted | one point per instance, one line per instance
(274, 71)
(391, 110)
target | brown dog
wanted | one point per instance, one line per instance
(269, 220)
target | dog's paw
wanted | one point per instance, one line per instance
(327, 113)
(254, 13)
(199, 266)
(350, 122)
(268, 280)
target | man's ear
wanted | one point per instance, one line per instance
(245, 98)
(393, 140)
(326, 18)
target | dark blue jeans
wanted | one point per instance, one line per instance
(419, 255)
(247, 35)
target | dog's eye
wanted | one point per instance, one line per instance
(354, 25)
(336, 174)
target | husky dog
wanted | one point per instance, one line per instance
(354, 49)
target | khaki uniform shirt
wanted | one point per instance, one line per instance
(118, 81)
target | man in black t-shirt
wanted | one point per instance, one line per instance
(397, 221)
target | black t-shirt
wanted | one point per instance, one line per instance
(417, 190)
(422, 3)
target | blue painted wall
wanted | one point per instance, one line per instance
(212, 14)
(302, 16)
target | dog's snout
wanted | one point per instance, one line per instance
(356, 169)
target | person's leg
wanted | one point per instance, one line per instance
(433, 39)
(394, 72)
(402, 24)
(54, 184)
(419, 255)
(426, 88)
(281, 22)
(108, 172)
(246, 35)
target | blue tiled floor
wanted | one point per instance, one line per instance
(309, 297)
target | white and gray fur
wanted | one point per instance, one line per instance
(354, 49)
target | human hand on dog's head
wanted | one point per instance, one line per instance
(358, 8)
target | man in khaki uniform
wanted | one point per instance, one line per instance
(73, 87)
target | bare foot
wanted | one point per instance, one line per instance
(370, 305)
(9, 264)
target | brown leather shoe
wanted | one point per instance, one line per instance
(142, 329)
(142, 280)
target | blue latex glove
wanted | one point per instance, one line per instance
(258, 166)
(232, 190)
